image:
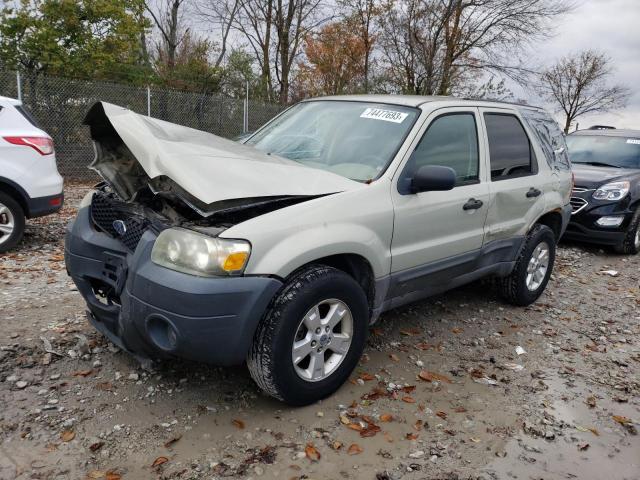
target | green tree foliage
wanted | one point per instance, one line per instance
(99, 39)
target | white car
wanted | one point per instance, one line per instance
(30, 185)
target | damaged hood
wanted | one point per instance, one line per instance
(133, 151)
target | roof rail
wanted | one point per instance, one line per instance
(601, 127)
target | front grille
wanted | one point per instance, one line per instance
(105, 212)
(581, 189)
(577, 204)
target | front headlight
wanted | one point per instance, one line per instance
(197, 254)
(612, 191)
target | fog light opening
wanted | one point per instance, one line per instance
(610, 221)
(162, 332)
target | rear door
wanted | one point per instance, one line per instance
(517, 199)
(434, 226)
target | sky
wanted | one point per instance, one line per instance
(612, 27)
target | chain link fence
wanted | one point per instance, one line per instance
(60, 104)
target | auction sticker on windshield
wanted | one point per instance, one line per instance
(386, 115)
(635, 141)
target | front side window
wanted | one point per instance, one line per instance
(604, 150)
(357, 140)
(509, 147)
(450, 141)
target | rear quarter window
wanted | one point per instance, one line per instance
(549, 136)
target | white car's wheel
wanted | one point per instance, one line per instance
(11, 222)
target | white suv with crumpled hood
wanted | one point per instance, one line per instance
(283, 250)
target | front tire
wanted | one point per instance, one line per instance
(311, 336)
(11, 222)
(533, 268)
(631, 243)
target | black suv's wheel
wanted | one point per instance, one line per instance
(631, 243)
(11, 222)
(311, 336)
(533, 268)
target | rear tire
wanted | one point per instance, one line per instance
(11, 222)
(528, 279)
(278, 360)
(631, 243)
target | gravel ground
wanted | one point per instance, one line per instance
(461, 386)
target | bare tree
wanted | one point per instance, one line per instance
(167, 19)
(437, 44)
(222, 15)
(275, 30)
(579, 84)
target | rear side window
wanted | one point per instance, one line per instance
(509, 147)
(450, 141)
(26, 114)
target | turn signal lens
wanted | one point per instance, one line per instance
(42, 145)
(235, 261)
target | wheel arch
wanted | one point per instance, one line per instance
(553, 220)
(16, 192)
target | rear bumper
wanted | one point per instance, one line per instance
(41, 206)
(160, 313)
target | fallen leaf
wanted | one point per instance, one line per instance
(105, 386)
(621, 420)
(432, 376)
(418, 425)
(408, 399)
(355, 426)
(67, 435)
(344, 420)
(159, 461)
(354, 449)
(457, 330)
(394, 357)
(82, 373)
(583, 446)
(112, 476)
(410, 332)
(411, 436)
(591, 401)
(594, 431)
(367, 377)
(336, 445)
(170, 443)
(238, 423)
(370, 430)
(460, 410)
(312, 452)
(94, 447)
(423, 346)
(93, 474)
(386, 417)
(442, 415)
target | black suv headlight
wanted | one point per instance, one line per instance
(612, 191)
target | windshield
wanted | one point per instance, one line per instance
(354, 139)
(622, 152)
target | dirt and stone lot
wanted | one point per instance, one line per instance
(459, 386)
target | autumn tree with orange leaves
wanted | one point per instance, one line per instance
(333, 63)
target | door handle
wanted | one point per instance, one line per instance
(472, 204)
(533, 192)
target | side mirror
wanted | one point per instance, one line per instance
(432, 178)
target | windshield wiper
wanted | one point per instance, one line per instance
(600, 164)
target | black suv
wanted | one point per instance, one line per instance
(606, 195)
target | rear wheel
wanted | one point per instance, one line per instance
(631, 243)
(311, 337)
(533, 268)
(11, 222)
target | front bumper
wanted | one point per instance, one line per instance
(583, 227)
(154, 312)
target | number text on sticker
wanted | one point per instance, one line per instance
(386, 115)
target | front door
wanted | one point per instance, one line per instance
(434, 228)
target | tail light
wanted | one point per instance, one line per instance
(42, 145)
